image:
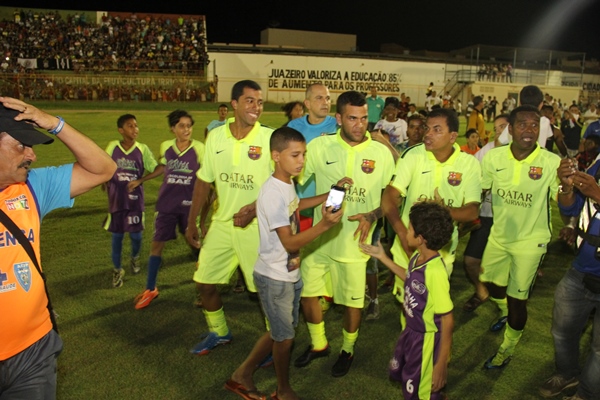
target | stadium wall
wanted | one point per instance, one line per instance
(285, 77)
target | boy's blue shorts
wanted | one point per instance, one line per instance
(280, 302)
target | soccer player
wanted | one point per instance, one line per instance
(180, 158)
(531, 95)
(237, 161)
(333, 265)
(422, 353)
(522, 178)
(126, 193)
(436, 169)
(478, 237)
(317, 122)
(276, 273)
(222, 112)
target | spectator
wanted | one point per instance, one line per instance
(293, 110)
(571, 128)
(376, 105)
(471, 146)
(30, 345)
(393, 125)
(577, 295)
(222, 112)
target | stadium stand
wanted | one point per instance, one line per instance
(35, 46)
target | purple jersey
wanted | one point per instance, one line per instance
(130, 167)
(426, 294)
(175, 195)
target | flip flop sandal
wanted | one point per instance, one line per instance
(474, 302)
(243, 392)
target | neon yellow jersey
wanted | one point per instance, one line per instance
(237, 167)
(370, 165)
(521, 193)
(419, 173)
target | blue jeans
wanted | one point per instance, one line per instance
(280, 302)
(573, 304)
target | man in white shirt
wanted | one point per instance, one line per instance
(431, 101)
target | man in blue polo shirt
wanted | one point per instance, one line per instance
(375, 104)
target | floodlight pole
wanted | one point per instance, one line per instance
(549, 64)
(582, 71)
(514, 65)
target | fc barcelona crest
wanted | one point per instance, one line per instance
(368, 166)
(535, 173)
(23, 274)
(454, 178)
(254, 152)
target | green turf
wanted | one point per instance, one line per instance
(115, 352)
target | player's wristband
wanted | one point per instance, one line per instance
(59, 127)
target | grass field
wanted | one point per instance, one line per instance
(112, 351)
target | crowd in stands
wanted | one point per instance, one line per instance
(32, 86)
(34, 42)
(495, 73)
(127, 44)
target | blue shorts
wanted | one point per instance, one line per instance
(124, 221)
(165, 226)
(280, 302)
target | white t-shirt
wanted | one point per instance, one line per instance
(431, 101)
(590, 116)
(396, 129)
(277, 206)
(545, 133)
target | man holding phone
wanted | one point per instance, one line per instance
(333, 265)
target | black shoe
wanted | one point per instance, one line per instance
(499, 324)
(310, 355)
(342, 365)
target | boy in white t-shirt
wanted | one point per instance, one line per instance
(393, 125)
(276, 272)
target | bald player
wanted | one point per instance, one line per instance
(317, 122)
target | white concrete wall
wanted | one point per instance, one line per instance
(285, 77)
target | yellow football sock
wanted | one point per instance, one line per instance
(511, 338)
(317, 335)
(216, 321)
(502, 305)
(349, 340)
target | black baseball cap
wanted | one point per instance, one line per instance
(22, 131)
